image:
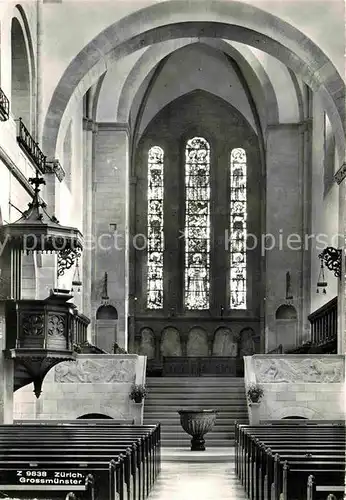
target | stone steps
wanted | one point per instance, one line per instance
(166, 395)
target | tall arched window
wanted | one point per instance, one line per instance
(197, 223)
(238, 232)
(155, 229)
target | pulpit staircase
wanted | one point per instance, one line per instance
(166, 395)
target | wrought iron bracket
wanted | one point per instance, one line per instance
(66, 259)
(54, 167)
(332, 258)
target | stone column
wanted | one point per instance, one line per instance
(6, 375)
(110, 220)
(89, 130)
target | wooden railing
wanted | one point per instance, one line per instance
(30, 146)
(324, 328)
(4, 106)
(324, 323)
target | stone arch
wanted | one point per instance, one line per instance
(286, 312)
(94, 416)
(22, 69)
(225, 343)
(106, 327)
(197, 342)
(298, 411)
(170, 342)
(220, 19)
(107, 312)
(147, 343)
(286, 322)
(294, 417)
(247, 342)
(253, 71)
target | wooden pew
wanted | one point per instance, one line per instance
(97, 444)
(261, 452)
(83, 491)
(152, 443)
(317, 492)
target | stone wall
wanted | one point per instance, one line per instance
(93, 384)
(299, 385)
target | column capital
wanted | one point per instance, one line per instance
(89, 125)
(116, 126)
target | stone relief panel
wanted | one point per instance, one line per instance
(248, 342)
(225, 343)
(170, 342)
(307, 370)
(89, 371)
(147, 343)
(197, 343)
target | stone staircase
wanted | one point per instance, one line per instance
(166, 395)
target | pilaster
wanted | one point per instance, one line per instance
(110, 226)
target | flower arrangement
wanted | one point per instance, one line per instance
(118, 350)
(77, 348)
(138, 393)
(254, 393)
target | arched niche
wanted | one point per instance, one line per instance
(286, 324)
(20, 75)
(294, 417)
(147, 343)
(248, 341)
(197, 343)
(94, 416)
(106, 327)
(286, 312)
(170, 342)
(225, 343)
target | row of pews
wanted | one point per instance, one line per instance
(100, 461)
(291, 461)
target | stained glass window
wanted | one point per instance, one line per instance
(197, 223)
(238, 234)
(155, 229)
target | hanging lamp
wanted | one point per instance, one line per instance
(321, 283)
(76, 281)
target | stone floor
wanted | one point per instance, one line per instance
(205, 475)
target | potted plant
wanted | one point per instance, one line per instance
(138, 393)
(254, 395)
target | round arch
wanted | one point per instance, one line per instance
(94, 416)
(23, 78)
(236, 21)
(107, 312)
(297, 411)
(286, 312)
